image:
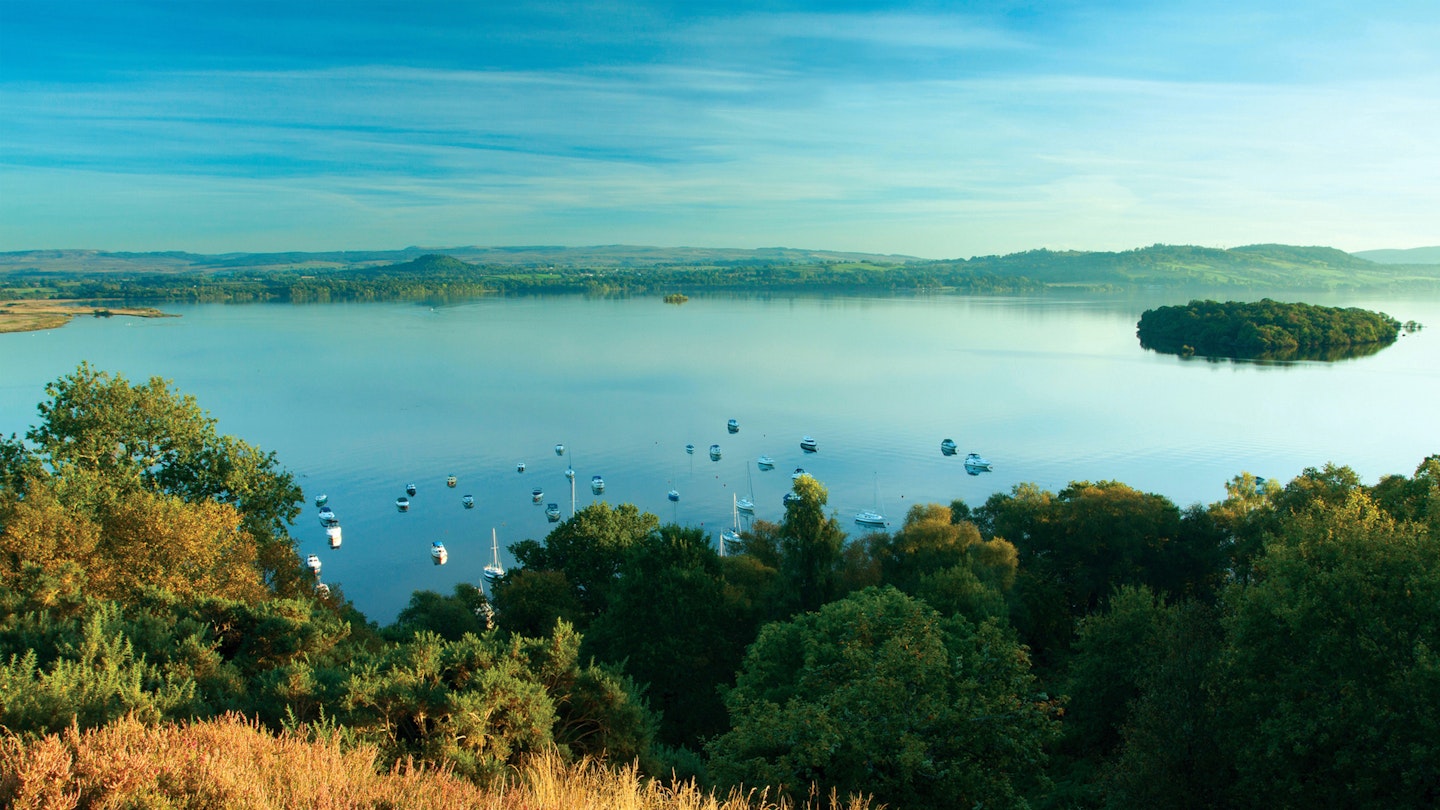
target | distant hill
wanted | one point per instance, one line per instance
(1420, 255)
(534, 256)
(416, 271)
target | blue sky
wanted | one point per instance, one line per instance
(931, 129)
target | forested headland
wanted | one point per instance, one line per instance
(451, 274)
(1098, 646)
(1265, 329)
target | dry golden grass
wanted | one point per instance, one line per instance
(232, 763)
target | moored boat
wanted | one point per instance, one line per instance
(733, 426)
(690, 448)
(520, 467)
(402, 503)
(552, 512)
(410, 490)
(948, 447)
(597, 484)
(332, 533)
(714, 452)
(765, 463)
(537, 494)
(469, 501)
(869, 517)
(809, 445)
(673, 495)
(313, 563)
(494, 571)
(438, 554)
(559, 449)
(790, 498)
(321, 500)
(570, 473)
(450, 481)
(798, 474)
(326, 515)
(975, 461)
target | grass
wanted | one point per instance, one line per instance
(231, 762)
(29, 315)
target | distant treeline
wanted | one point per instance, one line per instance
(438, 277)
(306, 278)
(1263, 328)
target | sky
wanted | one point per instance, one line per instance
(939, 130)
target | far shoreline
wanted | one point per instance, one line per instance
(26, 315)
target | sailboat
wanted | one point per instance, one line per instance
(494, 571)
(732, 534)
(747, 503)
(872, 517)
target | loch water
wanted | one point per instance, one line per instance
(357, 400)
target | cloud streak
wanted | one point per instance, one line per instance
(906, 132)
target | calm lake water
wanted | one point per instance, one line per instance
(360, 399)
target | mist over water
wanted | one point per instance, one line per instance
(357, 400)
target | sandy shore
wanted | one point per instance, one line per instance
(28, 316)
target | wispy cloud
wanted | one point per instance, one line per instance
(894, 131)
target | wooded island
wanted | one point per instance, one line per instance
(1265, 329)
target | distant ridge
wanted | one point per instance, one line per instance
(1420, 255)
(519, 256)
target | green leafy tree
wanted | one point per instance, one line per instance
(877, 694)
(465, 610)
(588, 549)
(149, 437)
(811, 547)
(1329, 675)
(679, 627)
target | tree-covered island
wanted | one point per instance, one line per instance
(1265, 329)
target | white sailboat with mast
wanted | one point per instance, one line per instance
(494, 571)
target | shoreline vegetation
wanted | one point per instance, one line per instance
(33, 315)
(1265, 329)
(452, 274)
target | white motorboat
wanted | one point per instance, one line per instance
(948, 447)
(714, 452)
(569, 473)
(798, 474)
(977, 462)
(809, 445)
(326, 515)
(552, 512)
(450, 481)
(765, 463)
(520, 467)
(790, 497)
(320, 500)
(494, 571)
(438, 554)
(410, 490)
(322, 590)
(597, 484)
(537, 494)
(332, 533)
(469, 501)
(559, 449)
(690, 448)
(313, 563)
(402, 503)
(673, 494)
(733, 426)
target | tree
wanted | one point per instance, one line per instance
(810, 550)
(1328, 675)
(134, 437)
(588, 549)
(679, 628)
(465, 610)
(877, 694)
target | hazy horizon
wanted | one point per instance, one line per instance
(934, 131)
